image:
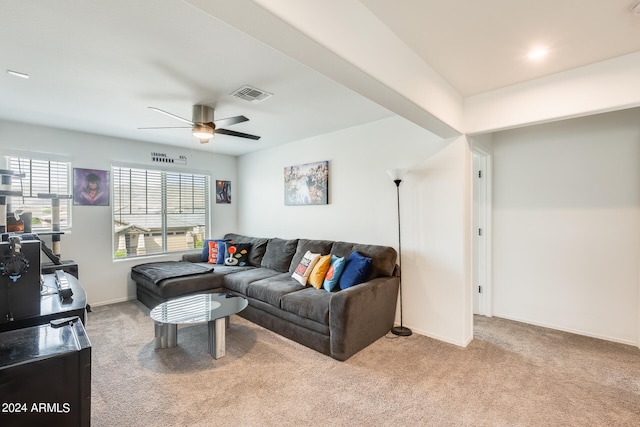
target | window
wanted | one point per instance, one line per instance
(156, 212)
(43, 180)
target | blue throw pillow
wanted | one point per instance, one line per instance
(355, 271)
(205, 250)
(333, 273)
(222, 249)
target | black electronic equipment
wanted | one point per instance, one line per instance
(62, 283)
(68, 266)
(19, 279)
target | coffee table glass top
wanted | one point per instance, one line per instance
(198, 308)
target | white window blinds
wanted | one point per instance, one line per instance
(156, 211)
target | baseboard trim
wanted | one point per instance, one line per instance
(570, 330)
(439, 337)
(113, 301)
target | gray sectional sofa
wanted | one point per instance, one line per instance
(338, 323)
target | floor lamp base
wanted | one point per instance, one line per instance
(402, 331)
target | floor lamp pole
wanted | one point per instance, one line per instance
(400, 330)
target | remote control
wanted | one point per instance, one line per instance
(56, 323)
(64, 288)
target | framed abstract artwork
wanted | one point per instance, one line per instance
(307, 184)
(90, 187)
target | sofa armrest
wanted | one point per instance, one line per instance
(360, 315)
(194, 256)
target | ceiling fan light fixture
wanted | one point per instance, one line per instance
(202, 132)
(203, 126)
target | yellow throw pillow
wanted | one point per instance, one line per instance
(319, 271)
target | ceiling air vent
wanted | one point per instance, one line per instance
(251, 94)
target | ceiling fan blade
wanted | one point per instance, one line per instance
(168, 127)
(171, 115)
(234, 133)
(230, 121)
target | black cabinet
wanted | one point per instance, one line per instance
(45, 376)
(49, 305)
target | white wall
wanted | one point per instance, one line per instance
(434, 205)
(90, 241)
(567, 225)
(438, 220)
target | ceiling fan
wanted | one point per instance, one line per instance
(203, 125)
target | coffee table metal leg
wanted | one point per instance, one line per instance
(166, 335)
(217, 337)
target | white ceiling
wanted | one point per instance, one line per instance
(96, 65)
(482, 45)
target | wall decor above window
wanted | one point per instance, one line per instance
(307, 184)
(90, 187)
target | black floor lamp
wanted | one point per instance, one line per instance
(397, 175)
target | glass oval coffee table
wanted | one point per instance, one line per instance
(214, 309)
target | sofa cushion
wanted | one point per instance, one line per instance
(267, 316)
(217, 249)
(238, 281)
(316, 278)
(322, 247)
(178, 286)
(258, 246)
(278, 254)
(333, 273)
(309, 303)
(355, 271)
(383, 258)
(305, 267)
(271, 290)
(237, 254)
(205, 250)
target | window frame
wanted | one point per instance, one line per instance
(165, 231)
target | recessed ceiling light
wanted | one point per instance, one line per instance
(18, 74)
(537, 54)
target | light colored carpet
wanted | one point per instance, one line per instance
(512, 374)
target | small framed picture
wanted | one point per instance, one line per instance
(223, 192)
(90, 187)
